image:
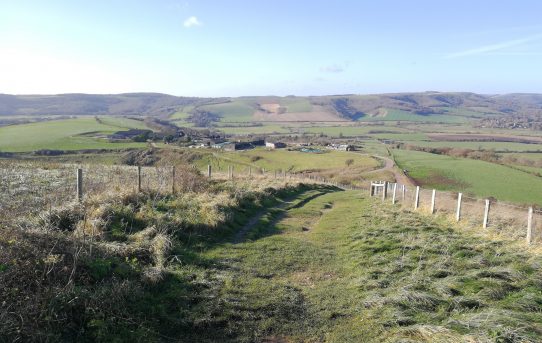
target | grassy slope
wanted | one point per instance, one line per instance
(343, 269)
(235, 111)
(64, 134)
(396, 115)
(285, 160)
(296, 104)
(124, 123)
(472, 176)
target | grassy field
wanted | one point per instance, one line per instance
(264, 129)
(498, 146)
(232, 112)
(348, 131)
(480, 178)
(65, 134)
(182, 114)
(292, 161)
(398, 115)
(294, 104)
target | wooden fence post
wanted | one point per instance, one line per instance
(209, 170)
(433, 196)
(173, 180)
(394, 193)
(458, 211)
(486, 214)
(385, 190)
(530, 226)
(417, 198)
(372, 190)
(139, 179)
(79, 184)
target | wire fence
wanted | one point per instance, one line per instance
(498, 217)
(27, 189)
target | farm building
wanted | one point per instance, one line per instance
(341, 147)
(275, 145)
(233, 146)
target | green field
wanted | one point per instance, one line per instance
(399, 115)
(295, 104)
(65, 134)
(293, 161)
(498, 146)
(182, 114)
(348, 131)
(124, 123)
(479, 178)
(237, 111)
(246, 130)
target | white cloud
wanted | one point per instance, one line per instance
(192, 21)
(334, 68)
(491, 48)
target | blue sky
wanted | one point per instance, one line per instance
(232, 47)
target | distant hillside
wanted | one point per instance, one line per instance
(148, 104)
(426, 106)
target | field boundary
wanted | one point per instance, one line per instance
(515, 221)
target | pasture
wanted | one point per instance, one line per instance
(497, 146)
(399, 115)
(69, 134)
(291, 161)
(475, 177)
(237, 111)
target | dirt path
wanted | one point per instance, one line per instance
(283, 207)
(389, 165)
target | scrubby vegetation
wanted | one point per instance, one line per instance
(111, 268)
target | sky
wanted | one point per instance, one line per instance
(281, 47)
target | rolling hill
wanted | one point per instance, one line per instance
(426, 106)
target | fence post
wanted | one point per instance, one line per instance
(433, 196)
(209, 171)
(79, 184)
(394, 192)
(372, 190)
(173, 180)
(417, 198)
(403, 191)
(385, 190)
(530, 226)
(458, 212)
(139, 179)
(486, 215)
